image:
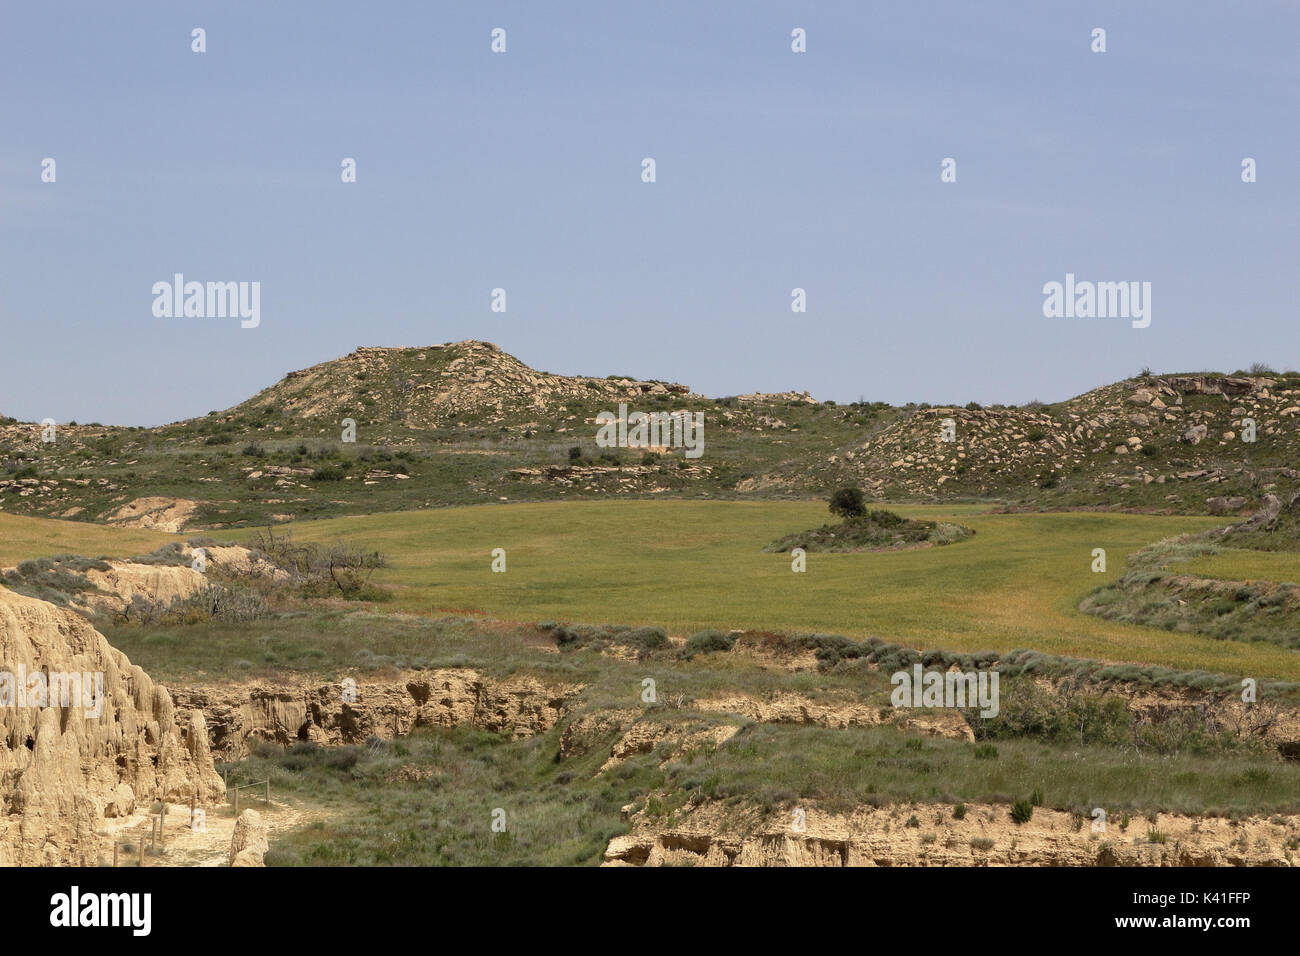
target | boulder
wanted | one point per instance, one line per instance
(248, 843)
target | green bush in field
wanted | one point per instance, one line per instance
(645, 638)
(707, 642)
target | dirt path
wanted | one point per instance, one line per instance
(187, 846)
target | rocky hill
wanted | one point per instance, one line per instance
(465, 422)
(460, 383)
(1171, 442)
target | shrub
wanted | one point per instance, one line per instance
(1021, 811)
(317, 569)
(328, 473)
(981, 843)
(579, 635)
(645, 638)
(708, 642)
(169, 555)
(848, 503)
(959, 812)
(575, 453)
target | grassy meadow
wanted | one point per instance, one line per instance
(22, 538)
(688, 565)
(1239, 565)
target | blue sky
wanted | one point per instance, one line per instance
(522, 171)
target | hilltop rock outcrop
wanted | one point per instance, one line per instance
(439, 385)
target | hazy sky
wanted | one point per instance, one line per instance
(522, 170)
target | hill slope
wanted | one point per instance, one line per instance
(460, 383)
(1158, 442)
(466, 422)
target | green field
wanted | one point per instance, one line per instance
(687, 565)
(1246, 566)
(22, 538)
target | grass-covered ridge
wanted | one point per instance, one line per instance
(1227, 583)
(875, 530)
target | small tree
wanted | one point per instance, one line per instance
(848, 503)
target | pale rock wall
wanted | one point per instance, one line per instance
(62, 769)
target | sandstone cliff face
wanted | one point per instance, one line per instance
(714, 835)
(639, 735)
(112, 585)
(796, 709)
(161, 584)
(62, 769)
(126, 580)
(286, 712)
